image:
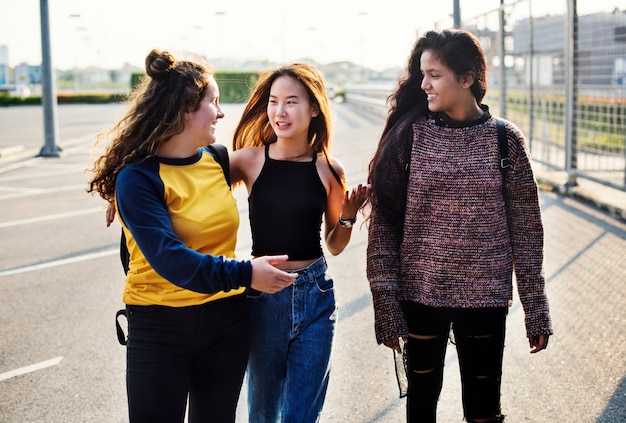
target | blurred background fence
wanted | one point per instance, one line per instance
(562, 81)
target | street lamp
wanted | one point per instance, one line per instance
(456, 7)
(363, 44)
(49, 96)
(76, 16)
(219, 38)
(197, 40)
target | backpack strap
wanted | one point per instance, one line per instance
(220, 152)
(124, 254)
(503, 145)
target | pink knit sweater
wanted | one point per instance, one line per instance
(462, 239)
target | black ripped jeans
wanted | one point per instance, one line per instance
(479, 338)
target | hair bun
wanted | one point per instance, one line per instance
(159, 63)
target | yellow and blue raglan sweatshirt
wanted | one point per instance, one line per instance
(180, 220)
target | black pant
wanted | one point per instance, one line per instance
(198, 352)
(479, 338)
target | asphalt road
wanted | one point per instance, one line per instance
(61, 283)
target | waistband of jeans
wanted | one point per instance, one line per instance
(313, 270)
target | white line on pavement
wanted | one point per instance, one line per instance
(51, 217)
(38, 191)
(31, 368)
(58, 262)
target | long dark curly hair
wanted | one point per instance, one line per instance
(157, 108)
(458, 50)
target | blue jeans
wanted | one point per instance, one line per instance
(292, 337)
(198, 352)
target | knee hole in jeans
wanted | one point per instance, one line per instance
(485, 377)
(496, 419)
(487, 336)
(424, 338)
(423, 372)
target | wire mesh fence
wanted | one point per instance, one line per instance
(562, 80)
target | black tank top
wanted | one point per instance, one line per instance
(286, 206)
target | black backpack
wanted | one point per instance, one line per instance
(503, 145)
(220, 153)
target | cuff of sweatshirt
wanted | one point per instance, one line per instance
(389, 321)
(245, 273)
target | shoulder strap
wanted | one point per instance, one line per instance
(221, 156)
(332, 169)
(503, 145)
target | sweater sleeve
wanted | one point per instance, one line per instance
(383, 258)
(383, 273)
(142, 209)
(526, 231)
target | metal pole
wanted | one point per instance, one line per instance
(48, 98)
(531, 79)
(571, 34)
(502, 53)
(457, 13)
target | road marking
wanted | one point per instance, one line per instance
(43, 172)
(51, 217)
(37, 191)
(20, 190)
(19, 164)
(61, 262)
(11, 150)
(31, 368)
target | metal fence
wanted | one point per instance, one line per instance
(562, 81)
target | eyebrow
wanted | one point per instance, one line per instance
(288, 97)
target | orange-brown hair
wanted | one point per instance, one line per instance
(254, 127)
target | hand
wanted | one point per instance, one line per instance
(267, 278)
(394, 344)
(110, 215)
(538, 343)
(353, 200)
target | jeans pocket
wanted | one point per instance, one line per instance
(325, 283)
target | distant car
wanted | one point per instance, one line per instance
(331, 90)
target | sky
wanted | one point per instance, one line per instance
(375, 33)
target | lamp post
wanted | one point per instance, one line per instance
(197, 40)
(362, 43)
(457, 13)
(49, 97)
(219, 14)
(75, 16)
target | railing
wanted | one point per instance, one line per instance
(369, 97)
(565, 89)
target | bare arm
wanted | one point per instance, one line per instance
(340, 203)
(245, 165)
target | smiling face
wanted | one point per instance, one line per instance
(289, 109)
(444, 89)
(202, 121)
